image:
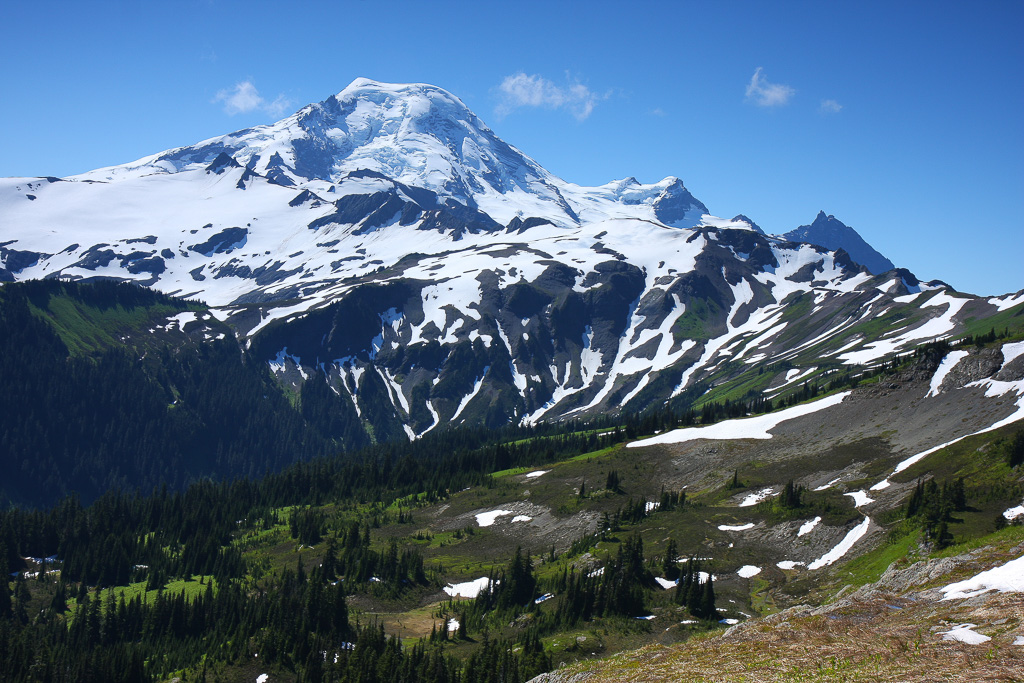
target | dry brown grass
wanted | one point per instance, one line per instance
(881, 637)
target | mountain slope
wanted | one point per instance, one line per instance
(831, 233)
(109, 386)
(387, 243)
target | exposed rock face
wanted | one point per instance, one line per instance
(979, 365)
(831, 233)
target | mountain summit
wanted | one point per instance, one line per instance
(831, 233)
(385, 241)
(421, 136)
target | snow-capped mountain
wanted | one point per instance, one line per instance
(390, 243)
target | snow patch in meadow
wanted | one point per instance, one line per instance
(745, 428)
(729, 622)
(489, 518)
(262, 678)
(788, 564)
(964, 634)
(538, 473)
(756, 497)
(1007, 578)
(825, 486)
(665, 583)
(748, 570)
(453, 625)
(1014, 513)
(860, 498)
(467, 589)
(740, 527)
(843, 547)
(808, 527)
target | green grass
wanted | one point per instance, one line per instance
(1012, 319)
(87, 329)
(698, 320)
(870, 566)
(192, 588)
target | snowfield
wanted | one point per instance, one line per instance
(1007, 578)
(468, 589)
(489, 518)
(747, 428)
(843, 547)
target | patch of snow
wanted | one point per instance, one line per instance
(1014, 513)
(825, 486)
(1005, 302)
(453, 625)
(665, 583)
(538, 473)
(843, 547)
(756, 497)
(1019, 640)
(488, 518)
(740, 527)
(1012, 351)
(748, 570)
(1007, 578)
(467, 589)
(808, 527)
(884, 484)
(730, 622)
(745, 428)
(650, 506)
(543, 598)
(948, 363)
(788, 564)
(521, 518)
(964, 634)
(597, 572)
(649, 617)
(860, 498)
(262, 678)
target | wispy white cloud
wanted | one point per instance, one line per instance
(658, 111)
(766, 94)
(830, 107)
(244, 98)
(520, 90)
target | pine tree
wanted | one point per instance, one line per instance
(669, 566)
(1015, 457)
(707, 602)
(5, 598)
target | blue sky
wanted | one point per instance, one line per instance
(901, 119)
